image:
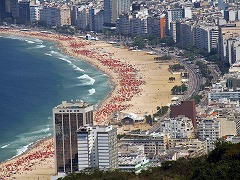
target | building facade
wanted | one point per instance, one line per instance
(24, 11)
(97, 147)
(67, 118)
(186, 108)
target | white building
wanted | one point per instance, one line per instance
(206, 37)
(55, 15)
(138, 23)
(82, 17)
(97, 147)
(187, 12)
(154, 143)
(123, 6)
(179, 127)
(34, 13)
(209, 131)
(131, 158)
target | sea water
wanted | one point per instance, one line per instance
(35, 77)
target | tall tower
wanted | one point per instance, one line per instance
(2, 9)
(110, 11)
(97, 147)
(24, 11)
(67, 118)
(12, 8)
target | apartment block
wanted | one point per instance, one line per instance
(97, 147)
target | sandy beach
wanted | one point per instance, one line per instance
(141, 84)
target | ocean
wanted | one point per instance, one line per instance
(35, 77)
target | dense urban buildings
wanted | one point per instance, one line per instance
(211, 27)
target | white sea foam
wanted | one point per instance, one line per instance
(45, 130)
(30, 42)
(48, 54)
(77, 68)
(86, 77)
(40, 46)
(67, 59)
(64, 59)
(38, 41)
(4, 146)
(91, 91)
(23, 149)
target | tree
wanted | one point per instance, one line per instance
(139, 42)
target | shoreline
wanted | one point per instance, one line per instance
(92, 52)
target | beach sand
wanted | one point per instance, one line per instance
(149, 79)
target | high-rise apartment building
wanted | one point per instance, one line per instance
(24, 11)
(55, 15)
(209, 131)
(97, 147)
(110, 11)
(34, 13)
(2, 9)
(123, 6)
(67, 118)
(173, 15)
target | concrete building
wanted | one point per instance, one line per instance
(2, 9)
(173, 15)
(186, 108)
(83, 18)
(99, 20)
(97, 147)
(229, 43)
(123, 6)
(24, 11)
(131, 158)
(34, 13)
(206, 37)
(65, 18)
(123, 24)
(156, 25)
(110, 11)
(67, 118)
(178, 127)
(185, 29)
(11, 8)
(138, 24)
(187, 13)
(209, 131)
(230, 15)
(55, 15)
(154, 143)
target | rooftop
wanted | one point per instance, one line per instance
(72, 105)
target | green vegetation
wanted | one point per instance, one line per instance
(165, 57)
(179, 89)
(176, 67)
(161, 111)
(197, 98)
(120, 136)
(205, 72)
(222, 163)
(139, 43)
(66, 30)
(149, 119)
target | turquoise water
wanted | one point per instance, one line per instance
(35, 77)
